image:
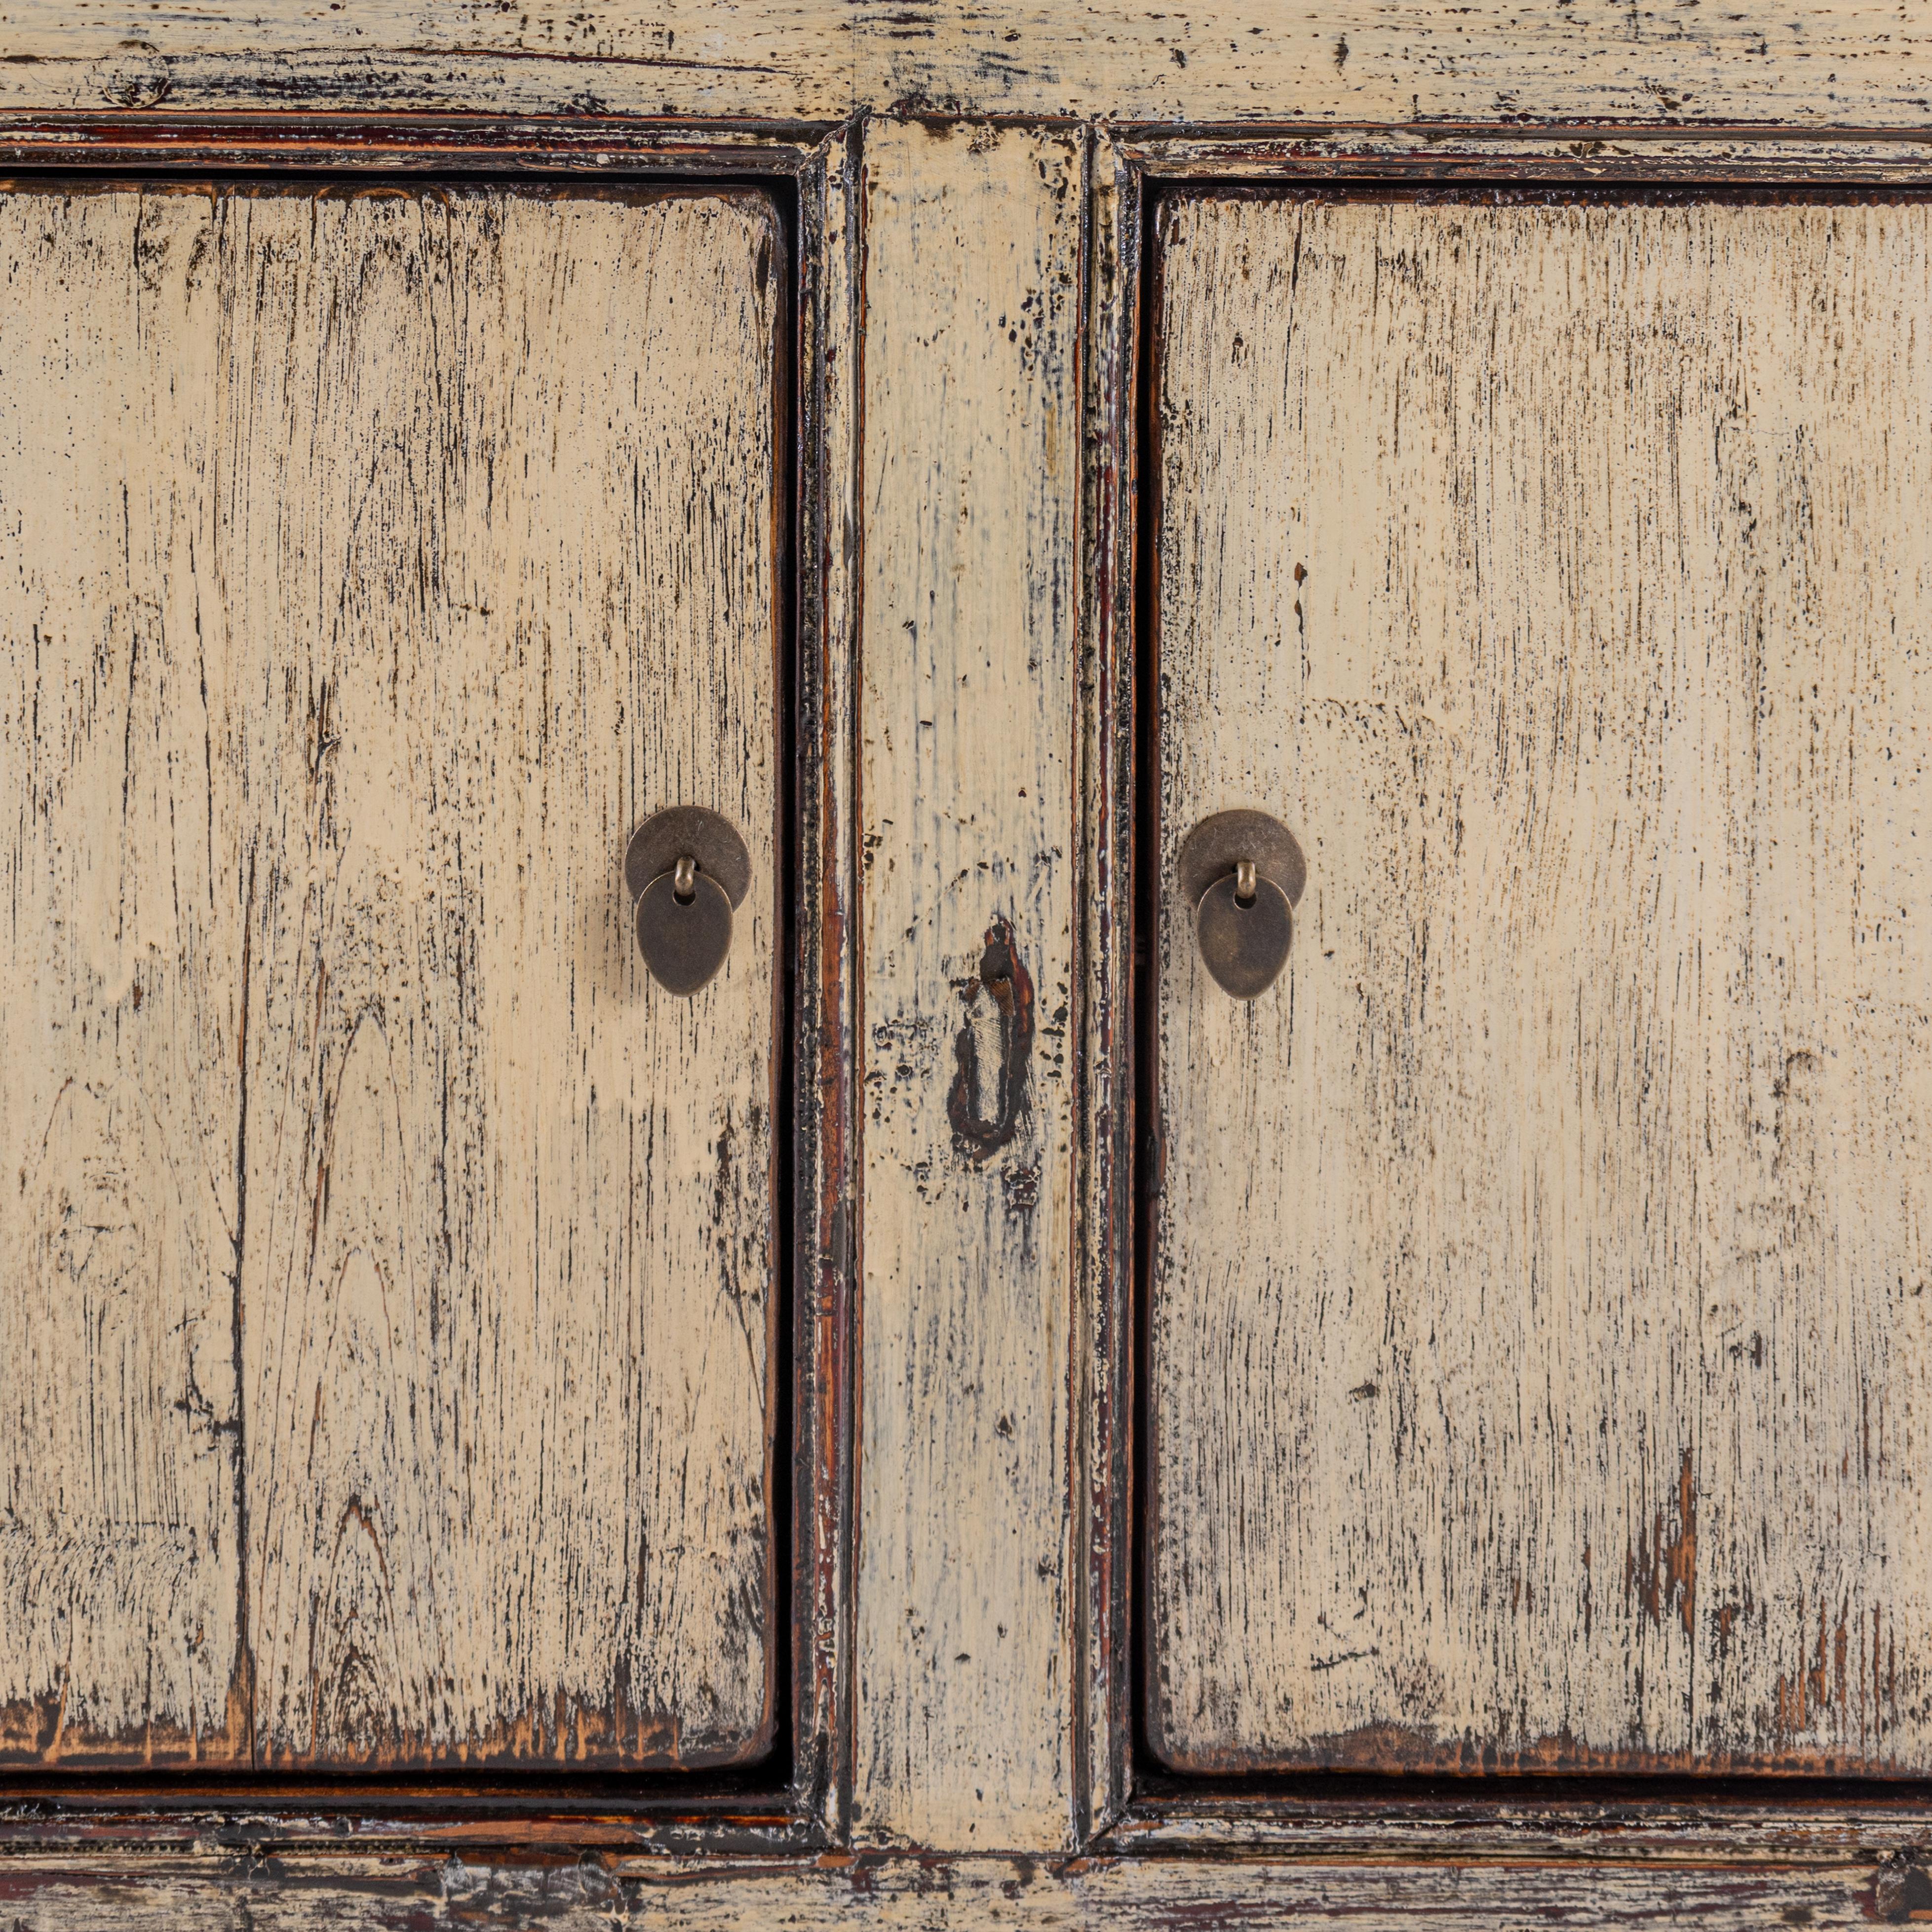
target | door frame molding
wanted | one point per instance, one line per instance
(799, 1800)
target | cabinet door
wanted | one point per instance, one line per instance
(388, 1299)
(1540, 1367)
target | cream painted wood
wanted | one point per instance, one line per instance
(1540, 1357)
(1813, 63)
(966, 771)
(378, 562)
(963, 1895)
(122, 938)
(1355, 68)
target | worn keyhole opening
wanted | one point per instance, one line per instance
(684, 880)
(992, 1048)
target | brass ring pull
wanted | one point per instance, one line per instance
(689, 871)
(1242, 873)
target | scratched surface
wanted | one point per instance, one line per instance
(1847, 63)
(387, 1292)
(1541, 1370)
(966, 751)
(155, 1893)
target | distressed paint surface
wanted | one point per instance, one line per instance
(1540, 1354)
(966, 788)
(1815, 62)
(1842, 63)
(931, 1895)
(824, 1180)
(380, 560)
(120, 942)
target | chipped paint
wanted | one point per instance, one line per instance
(391, 1291)
(966, 785)
(1544, 568)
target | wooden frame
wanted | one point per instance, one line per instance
(1362, 89)
(798, 1799)
(1134, 1805)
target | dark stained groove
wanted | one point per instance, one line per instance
(1143, 902)
(559, 55)
(848, 1225)
(790, 1112)
(1536, 184)
(242, 1687)
(1250, 136)
(1092, 829)
(157, 143)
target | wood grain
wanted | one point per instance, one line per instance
(476, 567)
(1540, 1356)
(1105, 1316)
(1818, 63)
(966, 756)
(931, 1895)
(120, 943)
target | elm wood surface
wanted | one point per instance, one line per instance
(1790, 64)
(389, 1277)
(1829, 68)
(968, 907)
(1539, 1352)
(44, 1893)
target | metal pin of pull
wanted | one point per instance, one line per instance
(690, 871)
(1242, 872)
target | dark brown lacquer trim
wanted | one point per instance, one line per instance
(824, 1185)
(253, 142)
(796, 1799)
(1103, 1367)
(1376, 1795)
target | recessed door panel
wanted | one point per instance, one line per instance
(389, 1268)
(1540, 1374)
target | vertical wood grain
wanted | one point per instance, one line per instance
(1540, 1351)
(121, 934)
(967, 735)
(508, 469)
(474, 533)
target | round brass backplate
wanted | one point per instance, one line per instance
(1217, 844)
(688, 831)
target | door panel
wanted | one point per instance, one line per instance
(376, 562)
(1539, 1372)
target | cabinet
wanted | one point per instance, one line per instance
(962, 1421)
